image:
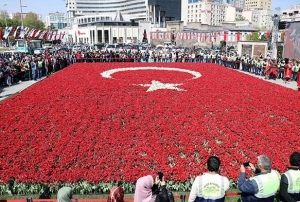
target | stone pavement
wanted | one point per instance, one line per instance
(6, 92)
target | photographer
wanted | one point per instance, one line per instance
(147, 190)
(289, 184)
(263, 185)
(210, 186)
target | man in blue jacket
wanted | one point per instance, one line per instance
(263, 185)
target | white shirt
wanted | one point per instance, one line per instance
(206, 178)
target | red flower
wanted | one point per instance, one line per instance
(78, 125)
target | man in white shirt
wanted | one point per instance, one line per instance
(211, 186)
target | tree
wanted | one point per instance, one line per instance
(3, 14)
(256, 37)
(32, 21)
(223, 45)
(240, 18)
(10, 22)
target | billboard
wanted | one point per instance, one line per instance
(292, 41)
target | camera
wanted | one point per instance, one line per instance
(160, 175)
(246, 164)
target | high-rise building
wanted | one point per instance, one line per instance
(292, 14)
(261, 4)
(207, 12)
(57, 20)
(130, 9)
(239, 3)
(18, 15)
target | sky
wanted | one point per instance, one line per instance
(50, 6)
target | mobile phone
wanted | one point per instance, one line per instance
(246, 164)
(160, 175)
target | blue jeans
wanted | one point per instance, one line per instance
(39, 73)
(33, 74)
(8, 80)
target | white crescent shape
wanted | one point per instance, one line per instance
(108, 74)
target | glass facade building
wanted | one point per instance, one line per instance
(135, 9)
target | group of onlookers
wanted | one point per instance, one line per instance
(20, 67)
(211, 186)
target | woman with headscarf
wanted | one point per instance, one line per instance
(64, 194)
(116, 194)
(147, 190)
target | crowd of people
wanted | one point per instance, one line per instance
(19, 67)
(211, 186)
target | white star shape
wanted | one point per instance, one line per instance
(157, 85)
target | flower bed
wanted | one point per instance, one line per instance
(81, 125)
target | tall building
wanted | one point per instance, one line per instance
(57, 20)
(240, 3)
(262, 4)
(262, 19)
(291, 14)
(206, 12)
(18, 15)
(130, 9)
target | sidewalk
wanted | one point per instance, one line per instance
(6, 92)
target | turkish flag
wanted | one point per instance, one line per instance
(120, 121)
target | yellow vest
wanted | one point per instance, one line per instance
(268, 184)
(293, 177)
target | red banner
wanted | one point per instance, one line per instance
(291, 48)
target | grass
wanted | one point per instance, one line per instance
(5, 197)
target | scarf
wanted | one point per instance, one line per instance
(143, 189)
(116, 194)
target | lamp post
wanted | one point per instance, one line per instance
(21, 6)
(21, 12)
(6, 24)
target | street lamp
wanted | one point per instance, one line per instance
(6, 24)
(21, 6)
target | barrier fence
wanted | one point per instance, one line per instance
(182, 197)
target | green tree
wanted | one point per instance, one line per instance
(256, 37)
(31, 21)
(240, 18)
(10, 22)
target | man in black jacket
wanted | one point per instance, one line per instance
(290, 180)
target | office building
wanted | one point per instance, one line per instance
(239, 4)
(260, 4)
(292, 14)
(154, 10)
(207, 12)
(18, 16)
(57, 20)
